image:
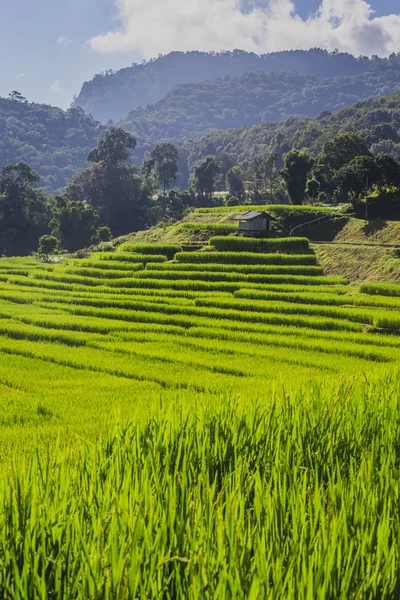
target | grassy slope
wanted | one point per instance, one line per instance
(359, 263)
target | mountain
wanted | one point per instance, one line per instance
(54, 142)
(377, 120)
(111, 95)
(192, 110)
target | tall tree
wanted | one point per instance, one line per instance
(297, 166)
(24, 211)
(162, 163)
(204, 176)
(114, 148)
(234, 183)
(111, 185)
(74, 223)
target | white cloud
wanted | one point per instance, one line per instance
(149, 27)
(55, 87)
(64, 41)
(19, 76)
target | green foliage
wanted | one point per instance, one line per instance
(54, 142)
(24, 211)
(204, 177)
(162, 164)
(234, 183)
(103, 234)
(361, 118)
(297, 165)
(48, 244)
(74, 223)
(111, 185)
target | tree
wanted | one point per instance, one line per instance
(342, 150)
(234, 183)
(111, 185)
(389, 171)
(163, 164)
(24, 211)
(204, 176)
(357, 178)
(115, 148)
(17, 96)
(73, 223)
(297, 165)
(103, 234)
(312, 189)
(48, 244)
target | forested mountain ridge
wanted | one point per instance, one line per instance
(377, 120)
(111, 95)
(54, 142)
(192, 110)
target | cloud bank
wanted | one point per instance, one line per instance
(150, 27)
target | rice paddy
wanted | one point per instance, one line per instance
(214, 424)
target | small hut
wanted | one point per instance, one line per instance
(254, 222)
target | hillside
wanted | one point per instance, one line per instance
(111, 95)
(376, 119)
(192, 110)
(54, 142)
(354, 249)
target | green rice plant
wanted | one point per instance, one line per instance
(105, 265)
(236, 269)
(239, 278)
(357, 315)
(236, 244)
(245, 258)
(278, 275)
(212, 228)
(381, 289)
(391, 322)
(320, 298)
(168, 250)
(130, 257)
(103, 273)
(275, 488)
(194, 316)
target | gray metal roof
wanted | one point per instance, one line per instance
(251, 214)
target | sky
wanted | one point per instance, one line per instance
(48, 48)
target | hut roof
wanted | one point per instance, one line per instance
(251, 214)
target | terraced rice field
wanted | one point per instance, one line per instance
(215, 424)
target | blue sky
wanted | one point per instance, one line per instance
(50, 47)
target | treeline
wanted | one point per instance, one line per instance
(111, 95)
(112, 197)
(377, 121)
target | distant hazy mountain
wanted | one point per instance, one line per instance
(191, 110)
(112, 95)
(54, 142)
